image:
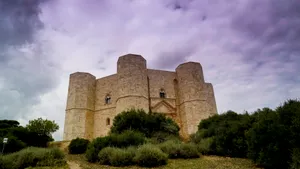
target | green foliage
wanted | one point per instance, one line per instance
(146, 123)
(95, 147)
(20, 137)
(149, 155)
(275, 135)
(295, 163)
(78, 146)
(32, 157)
(116, 156)
(228, 131)
(42, 126)
(180, 150)
(125, 139)
(12, 145)
(8, 124)
(270, 138)
(204, 146)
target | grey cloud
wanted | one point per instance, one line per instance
(26, 71)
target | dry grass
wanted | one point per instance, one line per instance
(206, 162)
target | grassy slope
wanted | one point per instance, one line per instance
(206, 162)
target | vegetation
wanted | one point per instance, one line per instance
(150, 156)
(149, 124)
(78, 146)
(31, 157)
(20, 137)
(206, 162)
(42, 127)
(270, 138)
(123, 140)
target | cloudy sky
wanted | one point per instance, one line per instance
(249, 49)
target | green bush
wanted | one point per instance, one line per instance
(121, 157)
(116, 156)
(146, 123)
(189, 150)
(104, 154)
(180, 150)
(204, 146)
(95, 147)
(160, 137)
(125, 139)
(149, 155)
(78, 146)
(295, 164)
(13, 144)
(33, 157)
(171, 148)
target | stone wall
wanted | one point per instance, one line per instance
(188, 99)
(80, 106)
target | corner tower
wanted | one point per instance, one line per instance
(80, 106)
(132, 83)
(195, 97)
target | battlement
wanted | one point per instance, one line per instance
(182, 95)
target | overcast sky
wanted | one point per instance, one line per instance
(249, 49)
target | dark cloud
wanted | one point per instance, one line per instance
(26, 72)
(19, 20)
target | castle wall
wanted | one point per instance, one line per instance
(106, 86)
(159, 79)
(80, 106)
(192, 96)
(132, 83)
(188, 99)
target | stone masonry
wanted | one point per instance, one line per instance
(182, 95)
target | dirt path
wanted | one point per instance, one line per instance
(73, 165)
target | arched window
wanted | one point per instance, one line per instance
(107, 99)
(108, 121)
(162, 93)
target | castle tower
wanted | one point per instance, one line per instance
(80, 106)
(194, 95)
(132, 83)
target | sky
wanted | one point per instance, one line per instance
(249, 49)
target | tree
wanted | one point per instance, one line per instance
(42, 127)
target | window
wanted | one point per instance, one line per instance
(108, 121)
(162, 93)
(107, 99)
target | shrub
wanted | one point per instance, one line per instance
(189, 150)
(33, 157)
(104, 155)
(149, 155)
(121, 157)
(78, 146)
(146, 123)
(295, 164)
(171, 148)
(116, 156)
(95, 147)
(126, 139)
(13, 144)
(160, 137)
(179, 150)
(204, 146)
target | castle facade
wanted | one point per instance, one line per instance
(93, 103)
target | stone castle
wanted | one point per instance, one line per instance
(93, 103)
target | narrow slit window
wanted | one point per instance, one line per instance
(108, 121)
(162, 93)
(107, 99)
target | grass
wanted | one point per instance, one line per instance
(206, 162)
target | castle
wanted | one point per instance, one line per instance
(93, 103)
